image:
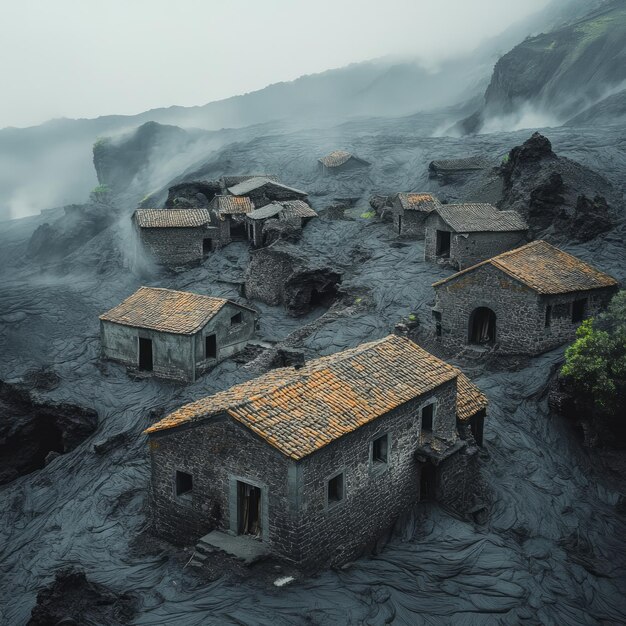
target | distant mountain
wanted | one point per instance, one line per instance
(554, 76)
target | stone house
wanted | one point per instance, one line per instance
(410, 210)
(524, 301)
(263, 190)
(175, 334)
(341, 161)
(461, 235)
(447, 170)
(175, 236)
(228, 215)
(316, 462)
(295, 212)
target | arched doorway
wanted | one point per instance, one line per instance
(482, 326)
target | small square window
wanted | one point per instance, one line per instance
(335, 489)
(184, 483)
(380, 450)
(236, 319)
(427, 417)
(578, 310)
(548, 319)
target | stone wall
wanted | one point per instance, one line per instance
(230, 338)
(467, 249)
(217, 452)
(520, 311)
(172, 355)
(298, 522)
(176, 246)
(409, 224)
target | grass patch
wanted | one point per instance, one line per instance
(368, 215)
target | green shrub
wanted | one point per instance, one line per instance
(596, 361)
(101, 194)
(368, 215)
(505, 160)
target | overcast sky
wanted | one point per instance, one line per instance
(84, 58)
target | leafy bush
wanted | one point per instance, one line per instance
(596, 361)
(368, 215)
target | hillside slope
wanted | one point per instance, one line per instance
(556, 75)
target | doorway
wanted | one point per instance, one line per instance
(238, 230)
(482, 326)
(145, 354)
(443, 244)
(399, 224)
(248, 509)
(428, 482)
(210, 347)
(207, 246)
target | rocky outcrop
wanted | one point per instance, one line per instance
(279, 274)
(32, 432)
(80, 223)
(382, 207)
(554, 193)
(119, 160)
(73, 599)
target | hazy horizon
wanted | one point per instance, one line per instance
(126, 58)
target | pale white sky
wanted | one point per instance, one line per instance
(84, 58)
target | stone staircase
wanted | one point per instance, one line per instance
(244, 548)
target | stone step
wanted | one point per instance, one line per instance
(241, 547)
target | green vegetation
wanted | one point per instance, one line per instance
(101, 194)
(368, 215)
(596, 361)
(505, 160)
(412, 317)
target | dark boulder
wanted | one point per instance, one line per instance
(73, 599)
(553, 193)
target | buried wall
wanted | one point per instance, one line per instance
(176, 246)
(279, 275)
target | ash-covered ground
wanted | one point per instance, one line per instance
(552, 549)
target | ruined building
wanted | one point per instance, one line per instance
(448, 170)
(341, 161)
(174, 334)
(460, 235)
(410, 211)
(312, 464)
(293, 212)
(525, 301)
(264, 190)
(175, 237)
(228, 215)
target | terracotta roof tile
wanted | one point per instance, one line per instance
(171, 218)
(469, 398)
(418, 202)
(338, 157)
(165, 310)
(545, 269)
(232, 205)
(474, 217)
(299, 411)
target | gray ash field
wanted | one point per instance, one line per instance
(551, 549)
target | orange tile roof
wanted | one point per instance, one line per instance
(545, 269)
(165, 310)
(338, 157)
(232, 205)
(299, 411)
(418, 202)
(469, 398)
(171, 218)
